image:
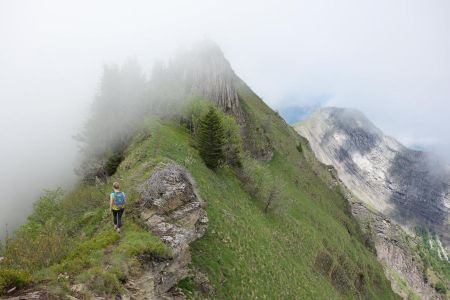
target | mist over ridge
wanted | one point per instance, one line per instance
(390, 60)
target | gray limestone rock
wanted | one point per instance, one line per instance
(410, 187)
(393, 182)
(173, 211)
(395, 252)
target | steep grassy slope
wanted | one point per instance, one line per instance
(306, 246)
(309, 247)
(69, 240)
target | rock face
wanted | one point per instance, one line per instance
(205, 70)
(410, 187)
(395, 253)
(171, 210)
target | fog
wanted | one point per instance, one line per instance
(389, 59)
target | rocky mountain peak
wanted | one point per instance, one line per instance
(410, 187)
(206, 71)
(350, 121)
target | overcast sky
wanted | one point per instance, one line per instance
(390, 59)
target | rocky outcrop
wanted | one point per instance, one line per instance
(205, 70)
(173, 211)
(410, 187)
(394, 249)
(390, 189)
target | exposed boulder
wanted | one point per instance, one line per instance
(173, 211)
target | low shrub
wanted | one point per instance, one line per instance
(187, 285)
(113, 162)
(10, 278)
(440, 288)
(99, 281)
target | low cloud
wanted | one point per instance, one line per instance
(389, 59)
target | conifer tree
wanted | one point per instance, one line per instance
(211, 138)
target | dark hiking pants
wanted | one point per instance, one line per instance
(117, 217)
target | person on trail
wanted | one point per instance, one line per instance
(117, 205)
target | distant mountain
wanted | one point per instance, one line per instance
(410, 187)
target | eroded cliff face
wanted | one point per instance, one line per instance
(206, 71)
(410, 187)
(203, 71)
(390, 189)
(395, 250)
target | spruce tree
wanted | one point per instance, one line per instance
(211, 138)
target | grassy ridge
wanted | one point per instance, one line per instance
(249, 254)
(69, 240)
(307, 246)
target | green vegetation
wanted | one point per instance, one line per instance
(211, 138)
(195, 108)
(233, 142)
(187, 286)
(249, 254)
(69, 239)
(436, 266)
(404, 286)
(113, 163)
(440, 287)
(299, 148)
(211, 128)
(260, 182)
(278, 229)
(10, 278)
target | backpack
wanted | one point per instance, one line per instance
(119, 199)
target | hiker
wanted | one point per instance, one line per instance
(117, 205)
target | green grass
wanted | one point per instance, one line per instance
(282, 247)
(307, 246)
(249, 254)
(136, 241)
(187, 286)
(69, 239)
(404, 286)
(10, 278)
(436, 267)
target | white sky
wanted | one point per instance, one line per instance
(388, 58)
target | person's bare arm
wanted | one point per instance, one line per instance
(110, 202)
